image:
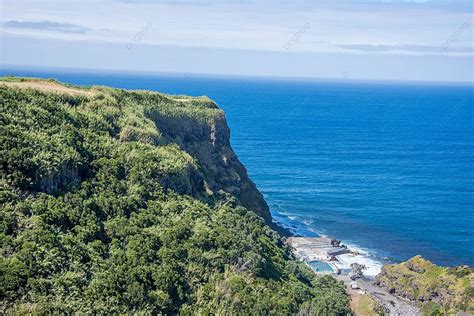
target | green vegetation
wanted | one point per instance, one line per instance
(102, 212)
(367, 306)
(438, 290)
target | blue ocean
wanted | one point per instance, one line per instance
(386, 167)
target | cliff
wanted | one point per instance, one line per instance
(208, 141)
(117, 202)
(196, 125)
(437, 290)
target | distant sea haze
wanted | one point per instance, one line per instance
(386, 167)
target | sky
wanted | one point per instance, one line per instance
(417, 40)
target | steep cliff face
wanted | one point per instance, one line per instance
(209, 142)
(196, 125)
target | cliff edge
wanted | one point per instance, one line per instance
(196, 124)
(208, 140)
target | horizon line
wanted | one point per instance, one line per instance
(230, 76)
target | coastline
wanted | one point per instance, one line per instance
(354, 267)
(131, 196)
(286, 191)
(342, 261)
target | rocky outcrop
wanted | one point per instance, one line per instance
(431, 287)
(357, 271)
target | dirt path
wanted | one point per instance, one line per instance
(180, 99)
(49, 86)
(394, 305)
(46, 86)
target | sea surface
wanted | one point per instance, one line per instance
(385, 167)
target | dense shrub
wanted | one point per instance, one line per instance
(100, 216)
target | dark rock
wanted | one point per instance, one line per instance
(413, 267)
(335, 242)
(357, 271)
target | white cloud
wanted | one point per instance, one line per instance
(253, 25)
(45, 26)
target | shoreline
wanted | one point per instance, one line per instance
(330, 253)
(328, 256)
(326, 248)
(372, 292)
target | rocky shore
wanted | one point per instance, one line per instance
(413, 287)
(317, 248)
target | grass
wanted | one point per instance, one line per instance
(449, 289)
(366, 306)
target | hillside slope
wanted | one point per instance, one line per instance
(438, 290)
(118, 201)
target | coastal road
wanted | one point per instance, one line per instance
(396, 306)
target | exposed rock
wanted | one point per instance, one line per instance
(335, 242)
(412, 266)
(357, 271)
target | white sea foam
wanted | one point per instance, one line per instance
(373, 266)
(364, 257)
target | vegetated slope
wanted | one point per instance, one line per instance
(118, 201)
(437, 290)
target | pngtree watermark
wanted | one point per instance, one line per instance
(455, 36)
(295, 38)
(137, 38)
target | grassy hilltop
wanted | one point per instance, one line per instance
(118, 201)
